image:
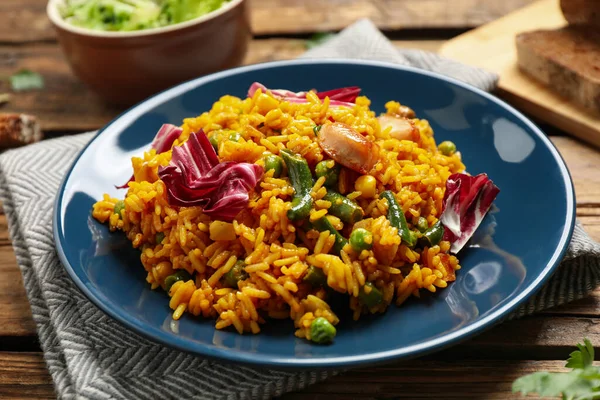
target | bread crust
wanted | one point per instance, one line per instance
(566, 59)
(18, 130)
(581, 12)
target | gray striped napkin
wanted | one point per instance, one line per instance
(91, 356)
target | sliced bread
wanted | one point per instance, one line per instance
(566, 59)
(581, 12)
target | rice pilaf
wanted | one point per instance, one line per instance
(261, 263)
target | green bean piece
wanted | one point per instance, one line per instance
(180, 275)
(322, 331)
(322, 225)
(361, 239)
(422, 224)
(331, 174)
(397, 218)
(215, 142)
(305, 225)
(275, 163)
(300, 207)
(433, 236)
(315, 276)
(302, 181)
(343, 208)
(235, 275)
(160, 236)
(372, 298)
(447, 148)
(317, 129)
(234, 136)
(119, 207)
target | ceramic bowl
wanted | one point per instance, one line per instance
(126, 67)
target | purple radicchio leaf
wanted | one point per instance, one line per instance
(466, 202)
(337, 97)
(164, 139)
(195, 177)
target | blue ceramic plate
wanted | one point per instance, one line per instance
(513, 253)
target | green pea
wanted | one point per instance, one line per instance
(215, 142)
(315, 276)
(322, 331)
(235, 274)
(422, 224)
(119, 207)
(160, 236)
(275, 163)
(413, 238)
(181, 275)
(235, 137)
(331, 174)
(371, 299)
(361, 239)
(447, 148)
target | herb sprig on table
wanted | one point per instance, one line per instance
(581, 383)
(25, 80)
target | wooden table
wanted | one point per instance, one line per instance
(483, 367)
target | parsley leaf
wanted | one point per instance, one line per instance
(581, 383)
(583, 357)
(551, 384)
(26, 80)
(318, 39)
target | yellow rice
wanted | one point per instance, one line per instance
(275, 252)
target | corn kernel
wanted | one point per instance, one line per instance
(266, 103)
(367, 185)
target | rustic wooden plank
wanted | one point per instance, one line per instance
(457, 379)
(271, 17)
(535, 337)
(583, 162)
(25, 21)
(66, 104)
(15, 313)
(24, 375)
(4, 237)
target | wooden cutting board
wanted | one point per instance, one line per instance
(492, 46)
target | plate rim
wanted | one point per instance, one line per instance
(256, 359)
